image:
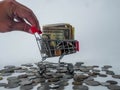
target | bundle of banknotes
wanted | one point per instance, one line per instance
(60, 39)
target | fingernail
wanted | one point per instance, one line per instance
(33, 30)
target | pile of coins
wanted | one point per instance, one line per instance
(48, 75)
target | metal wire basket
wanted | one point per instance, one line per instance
(53, 48)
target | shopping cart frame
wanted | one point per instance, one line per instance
(44, 47)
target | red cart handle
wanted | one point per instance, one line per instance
(35, 30)
(77, 46)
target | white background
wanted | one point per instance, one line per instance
(96, 25)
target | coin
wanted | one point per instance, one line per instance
(23, 76)
(84, 69)
(9, 66)
(62, 82)
(80, 87)
(92, 83)
(53, 86)
(62, 71)
(11, 85)
(104, 83)
(26, 82)
(12, 78)
(96, 70)
(102, 75)
(53, 79)
(42, 80)
(94, 74)
(77, 83)
(116, 76)
(20, 71)
(65, 83)
(107, 66)
(33, 68)
(111, 81)
(41, 88)
(6, 74)
(26, 87)
(67, 76)
(32, 77)
(95, 66)
(17, 68)
(79, 78)
(44, 87)
(79, 64)
(110, 72)
(36, 80)
(89, 79)
(113, 87)
(58, 75)
(70, 68)
(3, 84)
(27, 65)
(7, 70)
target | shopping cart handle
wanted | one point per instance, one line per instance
(77, 46)
(35, 30)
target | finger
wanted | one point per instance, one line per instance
(19, 19)
(21, 26)
(24, 12)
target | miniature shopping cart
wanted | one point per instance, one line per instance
(53, 47)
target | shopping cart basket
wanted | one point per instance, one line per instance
(62, 47)
(53, 48)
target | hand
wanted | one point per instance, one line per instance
(15, 16)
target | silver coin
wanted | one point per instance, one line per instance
(53, 86)
(116, 76)
(110, 72)
(7, 70)
(6, 74)
(92, 83)
(79, 78)
(96, 70)
(79, 64)
(107, 66)
(36, 80)
(113, 87)
(13, 80)
(26, 82)
(32, 77)
(104, 83)
(80, 87)
(27, 65)
(11, 85)
(77, 83)
(102, 75)
(20, 71)
(44, 86)
(26, 87)
(84, 69)
(89, 79)
(9, 66)
(53, 79)
(3, 84)
(112, 82)
(22, 76)
(67, 76)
